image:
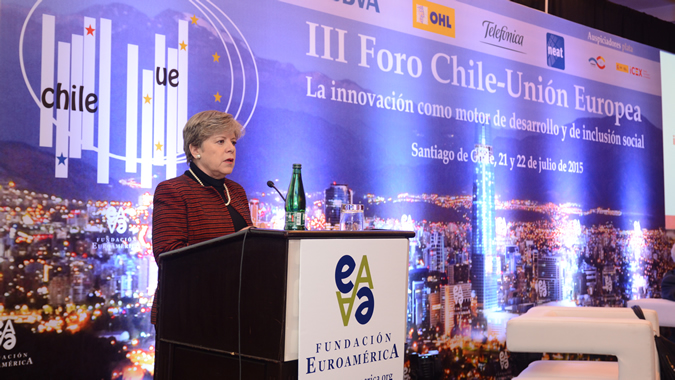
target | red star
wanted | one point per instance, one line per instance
(90, 30)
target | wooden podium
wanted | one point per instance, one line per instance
(230, 305)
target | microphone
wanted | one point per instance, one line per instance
(271, 184)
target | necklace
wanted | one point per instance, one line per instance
(226, 190)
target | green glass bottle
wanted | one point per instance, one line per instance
(295, 202)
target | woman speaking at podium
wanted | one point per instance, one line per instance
(201, 204)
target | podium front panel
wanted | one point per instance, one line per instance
(233, 303)
(200, 296)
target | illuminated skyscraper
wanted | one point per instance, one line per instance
(447, 309)
(548, 277)
(143, 267)
(483, 270)
(334, 197)
(437, 252)
(418, 302)
(589, 278)
(435, 311)
(59, 290)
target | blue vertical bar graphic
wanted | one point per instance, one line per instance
(146, 129)
(47, 78)
(105, 55)
(158, 118)
(183, 84)
(62, 103)
(89, 78)
(78, 101)
(171, 114)
(131, 151)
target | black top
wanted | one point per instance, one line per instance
(219, 185)
(668, 285)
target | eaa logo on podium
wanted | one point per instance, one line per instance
(348, 291)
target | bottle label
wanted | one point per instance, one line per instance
(295, 220)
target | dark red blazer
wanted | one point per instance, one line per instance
(187, 213)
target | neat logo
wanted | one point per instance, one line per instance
(362, 3)
(434, 18)
(555, 51)
(632, 70)
(598, 62)
(8, 335)
(343, 271)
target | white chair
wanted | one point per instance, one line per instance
(664, 308)
(587, 330)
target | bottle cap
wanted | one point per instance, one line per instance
(352, 207)
(297, 166)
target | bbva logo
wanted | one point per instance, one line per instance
(348, 291)
(362, 3)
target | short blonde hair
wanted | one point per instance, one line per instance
(205, 124)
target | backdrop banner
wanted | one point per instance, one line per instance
(525, 151)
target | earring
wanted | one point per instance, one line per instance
(199, 156)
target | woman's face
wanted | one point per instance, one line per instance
(217, 154)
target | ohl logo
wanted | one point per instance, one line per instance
(599, 62)
(120, 90)
(434, 18)
(349, 291)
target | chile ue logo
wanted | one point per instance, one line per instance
(348, 291)
(117, 85)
